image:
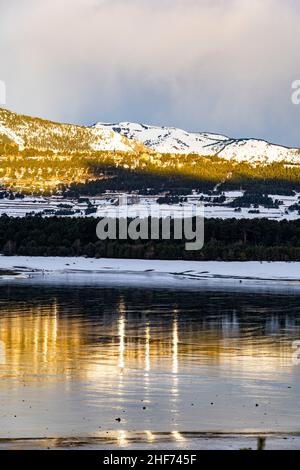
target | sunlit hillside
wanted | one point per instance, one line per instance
(31, 134)
(40, 156)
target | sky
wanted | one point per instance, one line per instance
(224, 66)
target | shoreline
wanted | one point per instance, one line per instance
(160, 273)
(157, 441)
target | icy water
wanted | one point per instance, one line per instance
(150, 366)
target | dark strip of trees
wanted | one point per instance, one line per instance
(225, 240)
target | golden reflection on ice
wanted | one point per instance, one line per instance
(116, 367)
(41, 340)
(38, 342)
(150, 436)
(174, 388)
(2, 353)
(175, 346)
(178, 436)
(147, 366)
(122, 438)
(147, 349)
(121, 328)
(45, 336)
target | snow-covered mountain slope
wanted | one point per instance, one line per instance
(172, 140)
(27, 132)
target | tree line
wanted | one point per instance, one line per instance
(225, 240)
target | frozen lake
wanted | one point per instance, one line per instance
(138, 367)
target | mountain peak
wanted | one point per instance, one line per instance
(172, 140)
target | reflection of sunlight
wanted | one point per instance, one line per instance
(249, 363)
(175, 347)
(121, 333)
(122, 438)
(42, 340)
(46, 338)
(174, 389)
(177, 436)
(147, 360)
(2, 353)
(150, 436)
(55, 321)
(122, 341)
(147, 349)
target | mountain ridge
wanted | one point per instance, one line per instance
(24, 131)
(165, 139)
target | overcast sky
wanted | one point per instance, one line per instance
(203, 65)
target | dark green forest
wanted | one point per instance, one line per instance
(201, 175)
(225, 240)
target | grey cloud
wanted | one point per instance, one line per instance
(218, 65)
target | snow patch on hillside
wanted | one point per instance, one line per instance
(172, 140)
(12, 136)
(106, 139)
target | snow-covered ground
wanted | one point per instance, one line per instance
(173, 140)
(155, 272)
(107, 206)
